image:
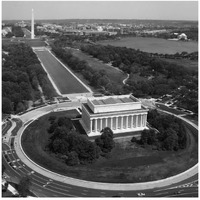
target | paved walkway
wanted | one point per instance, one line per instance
(96, 185)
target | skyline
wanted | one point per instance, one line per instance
(141, 10)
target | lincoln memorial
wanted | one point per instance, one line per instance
(123, 113)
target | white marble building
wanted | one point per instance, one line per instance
(123, 113)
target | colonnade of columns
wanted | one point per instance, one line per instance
(118, 122)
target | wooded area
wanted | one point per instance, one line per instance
(72, 147)
(168, 133)
(22, 75)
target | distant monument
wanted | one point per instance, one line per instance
(32, 25)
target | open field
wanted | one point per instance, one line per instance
(63, 79)
(153, 45)
(128, 162)
(113, 73)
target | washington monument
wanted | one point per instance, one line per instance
(32, 25)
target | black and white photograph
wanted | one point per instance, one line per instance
(99, 99)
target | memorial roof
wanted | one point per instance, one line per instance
(112, 100)
(113, 112)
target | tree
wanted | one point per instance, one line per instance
(134, 139)
(171, 141)
(7, 105)
(105, 141)
(72, 159)
(24, 186)
(3, 168)
(60, 146)
(144, 136)
(107, 132)
(52, 118)
(53, 126)
(20, 107)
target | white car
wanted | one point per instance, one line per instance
(140, 194)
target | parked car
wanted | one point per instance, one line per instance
(141, 194)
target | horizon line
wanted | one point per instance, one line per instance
(103, 19)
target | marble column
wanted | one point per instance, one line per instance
(100, 124)
(106, 121)
(122, 122)
(145, 120)
(116, 123)
(111, 123)
(136, 121)
(95, 126)
(141, 120)
(131, 121)
(91, 125)
(127, 122)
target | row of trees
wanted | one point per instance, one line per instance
(74, 148)
(126, 59)
(21, 76)
(170, 133)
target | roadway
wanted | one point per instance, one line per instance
(43, 186)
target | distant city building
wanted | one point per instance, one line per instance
(94, 33)
(6, 30)
(123, 113)
(182, 36)
(22, 24)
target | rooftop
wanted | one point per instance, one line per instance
(113, 112)
(112, 100)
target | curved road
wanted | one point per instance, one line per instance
(43, 186)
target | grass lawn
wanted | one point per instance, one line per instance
(127, 162)
(64, 80)
(113, 74)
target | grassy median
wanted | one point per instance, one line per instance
(127, 163)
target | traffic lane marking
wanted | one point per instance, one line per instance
(55, 191)
(181, 194)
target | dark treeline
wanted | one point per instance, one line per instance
(16, 31)
(182, 55)
(170, 134)
(73, 148)
(21, 76)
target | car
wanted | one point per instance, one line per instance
(178, 192)
(13, 166)
(140, 194)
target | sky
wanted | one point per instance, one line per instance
(158, 10)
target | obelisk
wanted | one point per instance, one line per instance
(32, 25)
